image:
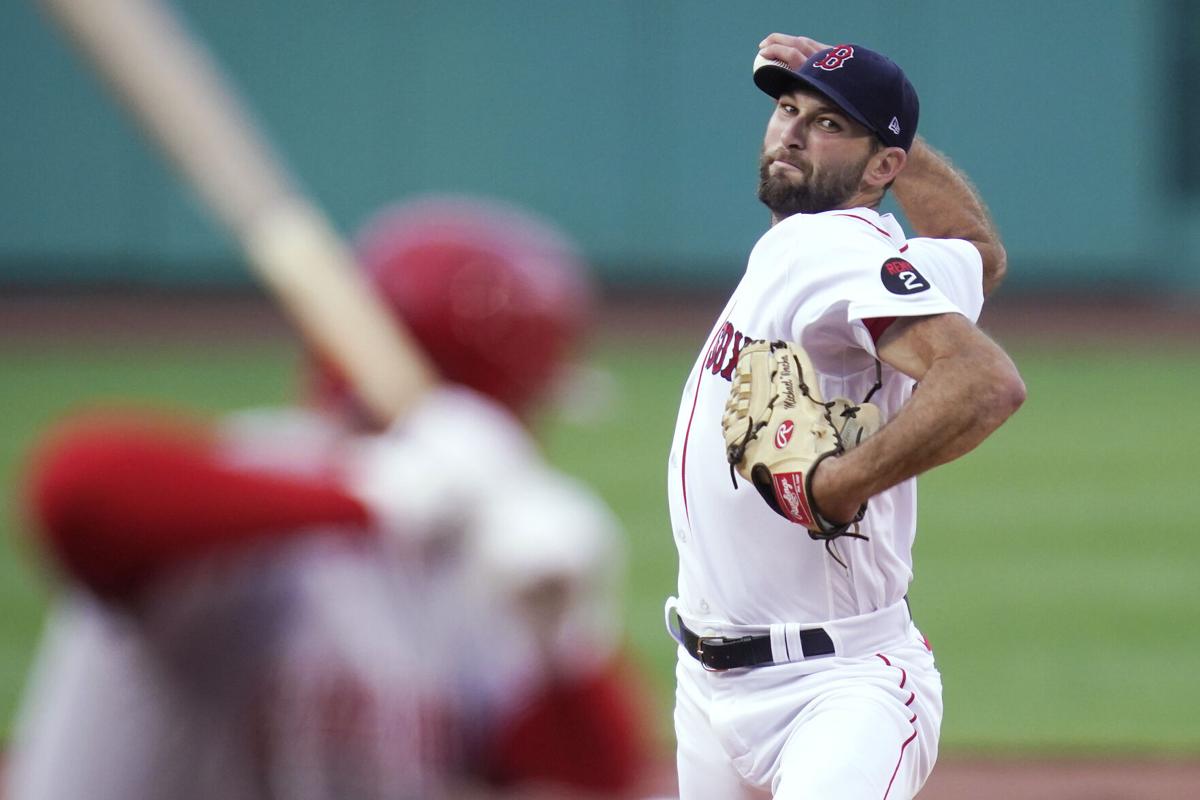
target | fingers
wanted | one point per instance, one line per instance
(791, 50)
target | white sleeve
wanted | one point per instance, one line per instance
(878, 279)
(955, 267)
(844, 277)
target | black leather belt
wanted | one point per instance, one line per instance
(717, 653)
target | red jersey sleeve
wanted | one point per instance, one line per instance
(877, 325)
(119, 501)
(587, 734)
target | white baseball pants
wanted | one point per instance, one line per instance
(832, 728)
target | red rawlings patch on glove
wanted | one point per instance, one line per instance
(789, 491)
(783, 434)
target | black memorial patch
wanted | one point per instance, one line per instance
(901, 277)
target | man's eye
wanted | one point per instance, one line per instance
(787, 108)
(825, 123)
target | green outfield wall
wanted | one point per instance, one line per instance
(633, 123)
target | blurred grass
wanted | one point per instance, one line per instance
(1057, 569)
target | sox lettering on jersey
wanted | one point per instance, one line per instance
(722, 359)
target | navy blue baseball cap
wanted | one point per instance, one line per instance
(868, 86)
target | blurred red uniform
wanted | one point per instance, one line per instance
(290, 604)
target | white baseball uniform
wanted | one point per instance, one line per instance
(322, 665)
(861, 721)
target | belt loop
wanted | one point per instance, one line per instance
(840, 646)
(671, 618)
(779, 647)
(795, 648)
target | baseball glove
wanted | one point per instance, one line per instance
(778, 429)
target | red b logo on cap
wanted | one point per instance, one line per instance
(835, 58)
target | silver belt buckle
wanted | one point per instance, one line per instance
(700, 640)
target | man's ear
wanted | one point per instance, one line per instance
(884, 166)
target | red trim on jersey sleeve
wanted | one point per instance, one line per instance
(864, 219)
(877, 325)
(118, 502)
(586, 734)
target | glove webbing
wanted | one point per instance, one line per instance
(842, 530)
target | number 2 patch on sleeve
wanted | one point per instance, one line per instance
(901, 277)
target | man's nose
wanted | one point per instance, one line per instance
(794, 134)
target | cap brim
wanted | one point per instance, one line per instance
(775, 79)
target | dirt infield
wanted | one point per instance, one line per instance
(980, 778)
(1013, 320)
(1075, 779)
(118, 317)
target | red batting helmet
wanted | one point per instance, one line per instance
(495, 296)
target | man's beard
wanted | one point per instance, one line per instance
(813, 193)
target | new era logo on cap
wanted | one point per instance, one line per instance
(868, 86)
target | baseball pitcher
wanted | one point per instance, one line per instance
(801, 672)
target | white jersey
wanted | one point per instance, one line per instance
(830, 282)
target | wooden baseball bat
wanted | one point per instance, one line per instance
(174, 88)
